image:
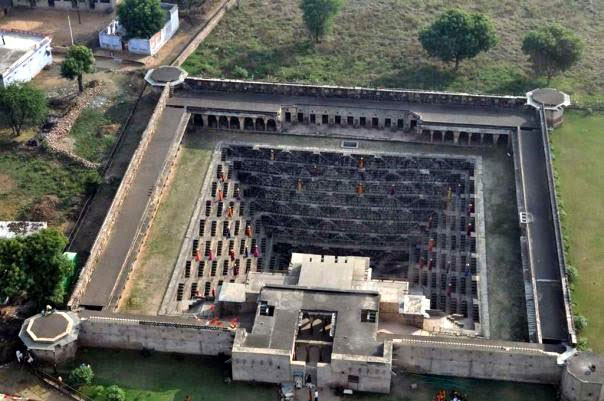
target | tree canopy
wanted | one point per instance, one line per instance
(140, 18)
(34, 265)
(552, 49)
(318, 15)
(21, 105)
(80, 376)
(457, 35)
(79, 60)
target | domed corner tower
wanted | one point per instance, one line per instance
(553, 102)
(583, 378)
(51, 337)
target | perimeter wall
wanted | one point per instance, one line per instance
(156, 335)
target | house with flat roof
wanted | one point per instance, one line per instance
(23, 55)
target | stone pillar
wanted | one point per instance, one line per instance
(406, 123)
(481, 138)
(241, 122)
(495, 138)
(455, 136)
(431, 136)
(204, 118)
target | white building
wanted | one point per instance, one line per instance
(111, 37)
(86, 5)
(22, 55)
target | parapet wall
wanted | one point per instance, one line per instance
(156, 335)
(409, 96)
(105, 231)
(483, 360)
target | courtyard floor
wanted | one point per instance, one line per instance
(504, 271)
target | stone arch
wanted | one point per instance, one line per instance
(212, 121)
(260, 124)
(449, 137)
(463, 138)
(235, 123)
(488, 139)
(248, 123)
(223, 122)
(475, 138)
(438, 136)
(198, 120)
(503, 139)
(271, 125)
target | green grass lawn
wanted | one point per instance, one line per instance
(374, 43)
(165, 377)
(89, 140)
(28, 175)
(579, 162)
(153, 272)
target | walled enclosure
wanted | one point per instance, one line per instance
(289, 109)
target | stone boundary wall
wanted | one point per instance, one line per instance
(410, 96)
(530, 286)
(473, 359)
(203, 33)
(161, 336)
(151, 208)
(63, 127)
(106, 228)
(557, 230)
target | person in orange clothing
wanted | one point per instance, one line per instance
(232, 254)
(230, 211)
(220, 195)
(248, 231)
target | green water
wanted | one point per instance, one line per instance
(167, 377)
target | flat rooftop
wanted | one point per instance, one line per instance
(13, 45)
(351, 336)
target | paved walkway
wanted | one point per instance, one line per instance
(542, 239)
(132, 210)
(428, 112)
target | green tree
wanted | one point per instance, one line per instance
(21, 105)
(114, 393)
(552, 49)
(457, 35)
(79, 60)
(80, 376)
(12, 262)
(318, 15)
(47, 267)
(140, 18)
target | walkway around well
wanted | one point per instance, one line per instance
(542, 238)
(109, 266)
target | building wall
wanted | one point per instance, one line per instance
(573, 389)
(108, 332)
(266, 367)
(240, 86)
(477, 360)
(98, 5)
(29, 67)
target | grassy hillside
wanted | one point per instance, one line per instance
(578, 147)
(374, 43)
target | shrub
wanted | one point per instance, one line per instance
(580, 322)
(571, 273)
(114, 393)
(80, 376)
(240, 72)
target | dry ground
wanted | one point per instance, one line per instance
(54, 24)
